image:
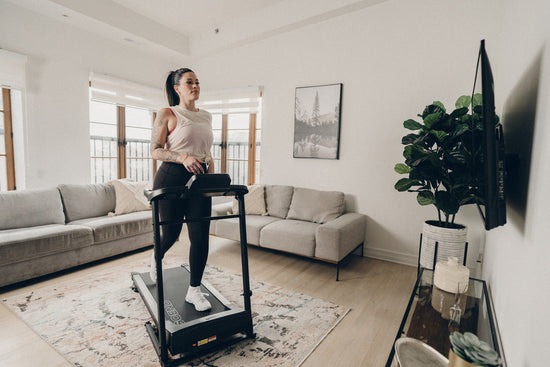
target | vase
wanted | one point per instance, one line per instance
(443, 301)
(451, 241)
(456, 361)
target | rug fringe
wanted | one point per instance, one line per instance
(324, 336)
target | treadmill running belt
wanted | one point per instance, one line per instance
(176, 281)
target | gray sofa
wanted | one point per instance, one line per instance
(297, 220)
(47, 230)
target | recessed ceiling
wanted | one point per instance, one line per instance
(192, 17)
(195, 28)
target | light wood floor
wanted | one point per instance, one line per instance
(377, 291)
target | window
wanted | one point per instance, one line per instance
(236, 124)
(7, 163)
(12, 85)
(121, 118)
(119, 142)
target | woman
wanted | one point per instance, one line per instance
(182, 138)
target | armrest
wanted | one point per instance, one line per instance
(334, 240)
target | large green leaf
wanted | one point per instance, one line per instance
(406, 183)
(468, 200)
(440, 135)
(425, 198)
(412, 125)
(478, 100)
(433, 108)
(460, 129)
(431, 119)
(463, 101)
(409, 139)
(446, 202)
(413, 152)
(440, 105)
(459, 112)
(402, 168)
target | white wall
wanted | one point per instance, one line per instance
(393, 59)
(516, 255)
(60, 59)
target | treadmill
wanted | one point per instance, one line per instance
(178, 332)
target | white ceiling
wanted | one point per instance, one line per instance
(192, 17)
(180, 28)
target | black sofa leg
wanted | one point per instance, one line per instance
(338, 271)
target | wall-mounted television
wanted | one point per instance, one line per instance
(492, 205)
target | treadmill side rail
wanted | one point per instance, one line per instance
(210, 331)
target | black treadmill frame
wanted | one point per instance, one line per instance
(159, 336)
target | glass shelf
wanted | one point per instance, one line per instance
(427, 317)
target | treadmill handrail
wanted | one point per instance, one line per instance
(180, 192)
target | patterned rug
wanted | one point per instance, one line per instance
(98, 320)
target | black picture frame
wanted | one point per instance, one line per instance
(317, 119)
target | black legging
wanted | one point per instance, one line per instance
(170, 175)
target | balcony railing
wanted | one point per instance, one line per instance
(139, 165)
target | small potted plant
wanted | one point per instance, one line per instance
(467, 350)
(443, 159)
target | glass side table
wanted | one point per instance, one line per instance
(428, 316)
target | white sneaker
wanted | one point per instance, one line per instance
(153, 268)
(196, 297)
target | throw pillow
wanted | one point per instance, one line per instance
(315, 205)
(254, 201)
(130, 197)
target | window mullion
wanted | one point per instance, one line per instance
(154, 160)
(8, 138)
(223, 167)
(121, 132)
(252, 149)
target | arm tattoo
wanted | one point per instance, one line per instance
(157, 145)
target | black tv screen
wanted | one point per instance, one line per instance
(492, 173)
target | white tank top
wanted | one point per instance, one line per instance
(192, 134)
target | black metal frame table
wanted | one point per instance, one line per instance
(427, 316)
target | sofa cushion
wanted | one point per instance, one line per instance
(130, 197)
(288, 235)
(108, 228)
(27, 243)
(30, 208)
(254, 201)
(316, 206)
(277, 198)
(87, 201)
(229, 228)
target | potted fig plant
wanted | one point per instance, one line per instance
(443, 159)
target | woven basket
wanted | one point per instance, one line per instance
(451, 242)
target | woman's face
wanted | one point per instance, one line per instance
(188, 88)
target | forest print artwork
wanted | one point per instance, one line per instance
(317, 121)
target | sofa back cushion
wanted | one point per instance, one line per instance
(277, 199)
(316, 206)
(87, 201)
(29, 208)
(254, 201)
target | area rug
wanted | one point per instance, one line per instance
(97, 320)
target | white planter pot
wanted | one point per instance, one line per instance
(451, 242)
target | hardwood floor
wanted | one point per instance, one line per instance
(377, 292)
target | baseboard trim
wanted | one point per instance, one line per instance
(392, 256)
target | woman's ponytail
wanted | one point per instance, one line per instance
(174, 79)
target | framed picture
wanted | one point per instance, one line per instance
(317, 121)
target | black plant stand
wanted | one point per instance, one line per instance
(418, 267)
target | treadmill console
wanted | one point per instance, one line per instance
(209, 182)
